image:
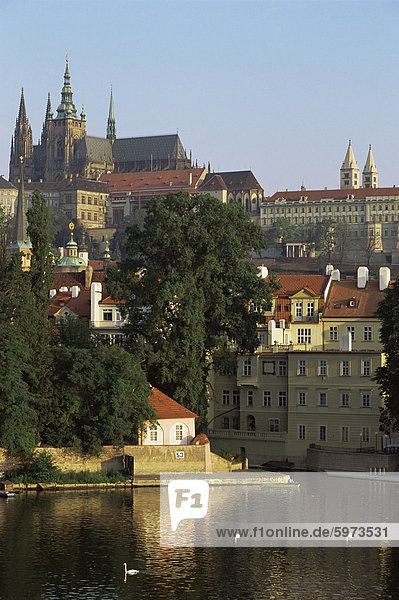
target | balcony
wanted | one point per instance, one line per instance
(248, 435)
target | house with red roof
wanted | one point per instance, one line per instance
(175, 424)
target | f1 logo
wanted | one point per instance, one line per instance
(188, 499)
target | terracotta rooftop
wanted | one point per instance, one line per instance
(345, 299)
(317, 195)
(155, 181)
(80, 306)
(291, 284)
(166, 408)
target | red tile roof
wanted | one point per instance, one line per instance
(291, 284)
(80, 306)
(166, 408)
(155, 181)
(364, 301)
(317, 195)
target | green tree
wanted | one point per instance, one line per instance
(101, 391)
(189, 287)
(387, 376)
(118, 240)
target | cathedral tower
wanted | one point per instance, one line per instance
(62, 134)
(349, 171)
(21, 144)
(370, 173)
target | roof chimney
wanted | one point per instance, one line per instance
(362, 277)
(385, 278)
(263, 272)
(75, 291)
(329, 270)
(52, 293)
(335, 275)
(190, 178)
(63, 289)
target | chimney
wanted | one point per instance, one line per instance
(263, 272)
(282, 323)
(63, 289)
(329, 269)
(335, 275)
(362, 277)
(96, 292)
(52, 293)
(385, 278)
(75, 291)
(190, 178)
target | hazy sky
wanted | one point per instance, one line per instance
(275, 86)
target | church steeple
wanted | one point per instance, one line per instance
(49, 112)
(111, 125)
(22, 143)
(67, 109)
(349, 171)
(370, 173)
(21, 241)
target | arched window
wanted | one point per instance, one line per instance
(251, 423)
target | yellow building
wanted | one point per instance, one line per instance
(309, 384)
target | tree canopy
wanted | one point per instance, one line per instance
(189, 287)
(387, 376)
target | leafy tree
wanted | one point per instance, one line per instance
(325, 239)
(387, 376)
(369, 243)
(58, 224)
(341, 238)
(101, 391)
(117, 243)
(189, 286)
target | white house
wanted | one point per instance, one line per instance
(175, 424)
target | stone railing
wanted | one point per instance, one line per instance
(248, 435)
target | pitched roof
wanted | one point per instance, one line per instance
(142, 148)
(153, 181)
(166, 408)
(239, 180)
(213, 182)
(6, 185)
(364, 301)
(80, 305)
(77, 183)
(317, 195)
(95, 148)
(292, 284)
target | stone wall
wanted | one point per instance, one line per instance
(325, 460)
(152, 460)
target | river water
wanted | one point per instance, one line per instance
(72, 545)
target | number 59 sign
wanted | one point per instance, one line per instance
(179, 454)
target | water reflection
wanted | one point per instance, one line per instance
(73, 545)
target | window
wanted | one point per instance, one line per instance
(322, 433)
(301, 432)
(310, 309)
(298, 309)
(366, 399)
(153, 433)
(367, 333)
(225, 423)
(366, 368)
(304, 335)
(322, 398)
(365, 433)
(236, 422)
(267, 398)
(351, 330)
(322, 367)
(334, 334)
(282, 398)
(179, 433)
(236, 397)
(344, 433)
(225, 396)
(89, 200)
(89, 216)
(345, 368)
(250, 398)
(247, 367)
(262, 338)
(302, 398)
(274, 425)
(107, 314)
(95, 216)
(118, 316)
(282, 368)
(344, 399)
(302, 370)
(82, 216)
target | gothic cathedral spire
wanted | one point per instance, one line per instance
(349, 170)
(21, 241)
(370, 173)
(22, 144)
(111, 125)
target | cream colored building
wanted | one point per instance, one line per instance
(8, 196)
(290, 395)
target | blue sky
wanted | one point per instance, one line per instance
(275, 86)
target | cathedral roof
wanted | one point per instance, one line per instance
(370, 164)
(142, 148)
(237, 180)
(159, 181)
(95, 148)
(6, 185)
(350, 161)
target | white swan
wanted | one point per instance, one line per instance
(130, 571)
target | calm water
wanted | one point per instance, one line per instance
(69, 545)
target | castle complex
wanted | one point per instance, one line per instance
(65, 150)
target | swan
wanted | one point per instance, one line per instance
(130, 571)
